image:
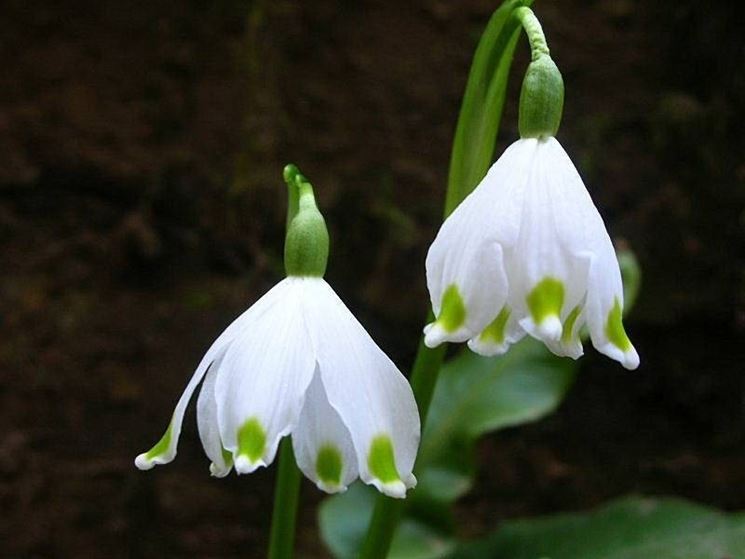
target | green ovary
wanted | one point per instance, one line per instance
(251, 440)
(494, 333)
(546, 299)
(566, 333)
(614, 328)
(453, 311)
(329, 465)
(381, 460)
(162, 446)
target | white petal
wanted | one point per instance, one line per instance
(468, 250)
(369, 393)
(164, 450)
(322, 444)
(570, 343)
(546, 253)
(209, 431)
(262, 380)
(497, 338)
(605, 309)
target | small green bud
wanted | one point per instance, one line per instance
(307, 241)
(541, 99)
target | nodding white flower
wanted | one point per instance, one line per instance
(298, 363)
(527, 252)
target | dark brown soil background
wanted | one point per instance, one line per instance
(142, 207)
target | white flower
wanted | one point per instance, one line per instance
(527, 252)
(298, 363)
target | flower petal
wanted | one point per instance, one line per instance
(209, 431)
(498, 336)
(547, 270)
(263, 378)
(322, 444)
(605, 309)
(165, 449)
(371, 396)
(466, 278)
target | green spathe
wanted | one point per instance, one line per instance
(546, 299)
(329, 465)
(453, 310)
(307, 241)
(495, 331)
(614, 328)
(381, 460)
(251, 440)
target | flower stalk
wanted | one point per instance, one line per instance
(286, 497)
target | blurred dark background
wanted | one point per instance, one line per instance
(142, 208)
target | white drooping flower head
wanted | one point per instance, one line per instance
(298, 363)
(527, 251)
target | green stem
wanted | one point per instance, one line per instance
(387, 511)
(287, 490)
(534, 31)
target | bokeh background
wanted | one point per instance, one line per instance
(142, 208)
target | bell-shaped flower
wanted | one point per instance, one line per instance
(298, 363)
(527, 253)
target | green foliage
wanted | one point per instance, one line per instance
(630, 528)
(483, 100)
(474, 396)
(477, 395)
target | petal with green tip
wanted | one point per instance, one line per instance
(263, 376)
(322, 444)
(209, 430)
(364, 387)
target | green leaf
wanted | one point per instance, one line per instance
(474, 396)
(630, 528)
(483, 101)
(344, 519)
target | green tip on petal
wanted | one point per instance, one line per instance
(329, 466)
(495, 332)
(566, 333)
(381, 460)
(158, 451)
(251, 440)
(452, 311)
(614, 328)
(546, 299)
